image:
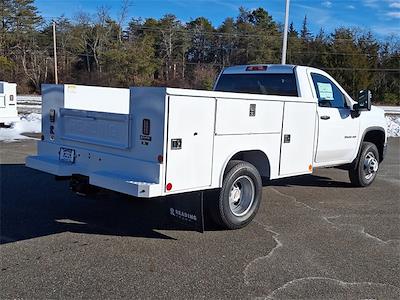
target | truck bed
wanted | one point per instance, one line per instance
(167, 140)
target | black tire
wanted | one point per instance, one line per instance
(362, 175)
(244, 177)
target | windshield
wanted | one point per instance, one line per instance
(266, 84)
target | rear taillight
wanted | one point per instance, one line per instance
(52, 115)
(146, 127)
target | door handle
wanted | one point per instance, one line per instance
(325, 117)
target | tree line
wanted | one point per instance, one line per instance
(102, 50)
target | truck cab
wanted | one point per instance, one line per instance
(342, 124)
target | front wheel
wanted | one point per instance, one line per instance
(240, 196)
(366, 167)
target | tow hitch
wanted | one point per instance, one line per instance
(80, 185)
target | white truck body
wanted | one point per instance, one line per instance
(161, 141)
(8, 102)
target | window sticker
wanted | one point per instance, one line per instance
(325, 91)
(71, 88)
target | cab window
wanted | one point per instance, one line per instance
(266, 84)
(328, 93)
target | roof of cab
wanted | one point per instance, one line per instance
(271, 69)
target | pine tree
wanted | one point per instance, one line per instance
(292, 31)
(305, 33)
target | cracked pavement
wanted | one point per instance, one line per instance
(315, 237)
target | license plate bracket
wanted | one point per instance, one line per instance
(67, 155)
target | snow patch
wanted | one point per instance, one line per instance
(31, 123)
(393, 124)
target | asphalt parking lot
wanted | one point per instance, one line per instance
(315, 237)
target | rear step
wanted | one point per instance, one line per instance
(124, 184)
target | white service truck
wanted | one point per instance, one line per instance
(270, 121)
(8, 103)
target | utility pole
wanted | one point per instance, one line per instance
(285, 33)
(55, 52)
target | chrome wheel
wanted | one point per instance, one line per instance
(371, 165)
(241, 196)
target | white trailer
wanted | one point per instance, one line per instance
(8, 103)
(267, 121)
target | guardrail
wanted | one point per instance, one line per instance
(29, 99)
(391, 110)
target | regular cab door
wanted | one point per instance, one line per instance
(337, 129)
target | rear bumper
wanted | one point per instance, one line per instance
(102, 179)
(122, 174)
(49, 165)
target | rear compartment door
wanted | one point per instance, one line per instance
(97, 128)
(190, 142)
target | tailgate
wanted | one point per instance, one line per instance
(98, 128)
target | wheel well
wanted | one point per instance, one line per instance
(376, 137)
(257, 158)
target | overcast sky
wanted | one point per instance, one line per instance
(380, 16)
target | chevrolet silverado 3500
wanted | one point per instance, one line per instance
(270, 121)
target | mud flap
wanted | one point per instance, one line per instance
(186, 209)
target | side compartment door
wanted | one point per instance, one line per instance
(190, 142)
(297, 142)
(337, 130)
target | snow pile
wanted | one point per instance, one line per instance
(28, 123)
(393, 124)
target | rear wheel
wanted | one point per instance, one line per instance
(240, 195)
(366, 167)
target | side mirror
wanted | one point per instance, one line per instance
(364, 100)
